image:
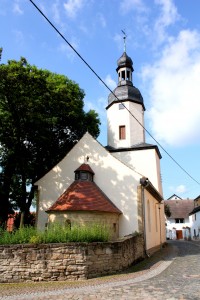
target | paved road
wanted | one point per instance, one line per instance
(176, 277)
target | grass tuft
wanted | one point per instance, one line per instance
(56, 233)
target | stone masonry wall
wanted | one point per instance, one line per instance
(86, 217)
(70, 261)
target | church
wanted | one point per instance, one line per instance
(118, 185)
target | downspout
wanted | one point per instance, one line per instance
(144, 183)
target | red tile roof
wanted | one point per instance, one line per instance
(85, 167)
(180, 208)
(84, 196)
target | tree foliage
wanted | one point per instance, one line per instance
(1, 50)
(167, 211)
(41, 118)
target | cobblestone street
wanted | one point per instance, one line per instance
(175, 277)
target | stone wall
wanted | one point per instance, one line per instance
(70, 261)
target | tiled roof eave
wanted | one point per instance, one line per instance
(81, 210)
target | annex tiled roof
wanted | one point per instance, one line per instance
(180, 208)
(85, 167)
(84, 196)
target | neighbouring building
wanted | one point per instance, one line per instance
(118, 185)
(194, 217)
(197, 201)
(178, 225)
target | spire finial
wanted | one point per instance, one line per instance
(124, 37)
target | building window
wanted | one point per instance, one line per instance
(122, 132)
(121, 106)
(123, 75)
(83, 175)
(128, 75)
(114, 227)
(179, 220)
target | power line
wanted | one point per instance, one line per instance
(70, 45)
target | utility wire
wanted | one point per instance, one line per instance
(70, 45)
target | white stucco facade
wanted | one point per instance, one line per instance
(117, 180)
(146, 162)
(172, 228)
(117, 117)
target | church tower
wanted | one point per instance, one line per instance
(125, 102)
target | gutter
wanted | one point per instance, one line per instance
(145, 182)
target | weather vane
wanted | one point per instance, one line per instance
(124, 37)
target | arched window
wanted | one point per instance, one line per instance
(68, 224)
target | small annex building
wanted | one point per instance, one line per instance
(118, 185)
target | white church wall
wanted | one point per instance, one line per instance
(115, 179)
(118, 117)
(145, 162)
(137, 131)
(115, 118)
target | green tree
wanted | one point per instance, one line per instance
(41, 118)
(167, 211)
(1, 50)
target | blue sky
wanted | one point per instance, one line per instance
(163, 40)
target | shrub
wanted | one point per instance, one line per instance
(19, 236)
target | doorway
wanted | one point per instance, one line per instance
(179, 234)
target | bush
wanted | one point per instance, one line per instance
(56, 233)
(19, 236)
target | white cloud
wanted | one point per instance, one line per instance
(99, 106)
(178, 190)
(168, 16)
(110, 82)
(16, 8)
(102, 20)
(72, 7)
(127, 6)
(174, 91)
(56, 13)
